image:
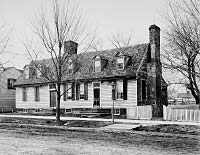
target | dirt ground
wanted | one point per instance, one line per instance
(31, 141)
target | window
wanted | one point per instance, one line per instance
(37, 93)
(82, 95)
(26, 72)
(81, 91)
(119, 88)
(67, 90)
(143, 91)
(38, 72)
(70, 66)
(97, 66)
(120, 63)
(116, 111)
(52, 86)
(24, 94)
(11, 83)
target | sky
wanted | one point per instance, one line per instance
(105, 17)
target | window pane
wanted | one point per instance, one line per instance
(69, 91)
(120, 60)
(37, 93)
(120, 63)
(24, 94)
(82, 88)
(119, 89)
(97, 66)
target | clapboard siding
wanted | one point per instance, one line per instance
(7, 96)
(106, 96)
(7, 102)
(31, 103)
(79, 103)
(105, 93)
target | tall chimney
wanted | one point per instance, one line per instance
(155, 72)
(70, 47)
(154, 39)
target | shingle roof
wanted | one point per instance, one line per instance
(86, 71)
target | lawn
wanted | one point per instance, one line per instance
(49, 122)
(170, 128)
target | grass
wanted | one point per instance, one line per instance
(177, 129)
(71, 123)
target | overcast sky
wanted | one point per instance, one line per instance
(107, 17)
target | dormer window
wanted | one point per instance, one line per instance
(38, 72)
(120, 63)
(26, 72)
(11, 83)
(97, 65)
(70, 66)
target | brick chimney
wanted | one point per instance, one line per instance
(155, 72)
(154, 39)
(70, 47)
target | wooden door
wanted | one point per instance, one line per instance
(96, 97)
(53, 98)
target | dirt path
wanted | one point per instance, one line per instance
(25, 141)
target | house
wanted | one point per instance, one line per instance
(136, 71)
(7, 91)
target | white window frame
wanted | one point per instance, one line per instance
(26, 72)
(38, 72)
(81, 93)
(97, 68)
(119, 90)
(117, 111)
(120, 58)
(69, 91)
(51, 88)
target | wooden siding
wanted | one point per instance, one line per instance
(105, 93)
(7, 96)
(139, 112)
(106, 96)
(79, 103)
(7, 102)
(31, 103)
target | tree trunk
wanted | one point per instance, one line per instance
(58, 105)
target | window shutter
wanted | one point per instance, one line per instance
(77, 91)
(64, 91)
(125, 89)
(73, 91)
(86, 91)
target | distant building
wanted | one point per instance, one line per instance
(135, 70)
(7, 91)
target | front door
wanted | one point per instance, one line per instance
(53, 98)
(96, 89)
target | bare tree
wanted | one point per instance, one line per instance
(182, 51)
(62, 23)
(4, 38)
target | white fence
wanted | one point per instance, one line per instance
(173, 114)
(140, 112)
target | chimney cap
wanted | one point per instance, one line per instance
(154, 27)
(70, 42)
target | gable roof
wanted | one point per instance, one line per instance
(135, 54)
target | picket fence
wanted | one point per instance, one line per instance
(173, 114)
(140, 112)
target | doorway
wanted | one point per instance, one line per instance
(96, 92)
